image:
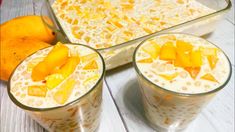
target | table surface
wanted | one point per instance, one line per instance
(122, 109)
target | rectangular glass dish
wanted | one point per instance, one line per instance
(121, 53)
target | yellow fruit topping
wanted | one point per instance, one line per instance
(196, 58)
(54, 80)
(183, 60)
(209, 77)
(212, 61)
(182, 46)
(40, 71)
(64, 92)
(208, 51)
(168, 52)
(39, 91)
(88, 57)
(193, 71)
(169, 76)
(69, 67)
(91, 65)
(152, 49)
(92, 78)
(147, 60)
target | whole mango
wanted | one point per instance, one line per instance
(27, 26)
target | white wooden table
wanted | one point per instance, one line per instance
(122, 108)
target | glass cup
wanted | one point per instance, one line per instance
(168, 110)
(82, 114)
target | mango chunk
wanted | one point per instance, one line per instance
(39, 91)
(88, 57)
(57, 56)
(183, 60)
(40, 71)
(193, 71)
(91, 65)
(168, 52)
(212, 61)
(146, 60)
(169, 76)
(196, 58)
(152, 49)
(209, 77)
(183, 46)
(64, 92)
(69, 67)
(208, 51)
(92, 78)
(54, 80)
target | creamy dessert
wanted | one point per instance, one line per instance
(63, 83)
(102, 24)
(179, 74)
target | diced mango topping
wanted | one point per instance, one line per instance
(212, 61)
(91, 65)
(147, 60)
(152, 49)
(56, 57)
(92, 78)
(169, 76)
(196, 58)
(209, 77)
(39, 91)
(88, 57)
(193, 71)
(167, 51)
(183, 60)
(64, 92)
(183, 46)
(69, 67)
(54, 80)
(208, 51)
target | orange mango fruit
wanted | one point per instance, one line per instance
(152, 49)
(146, 60)
(212, 61)
(183, 46)
(91, 65)
(183, 60)
(209, 77)
(40, 71)
(69, 67)
(54, 80)
(193, 71)
(89, 57)
(168, 51)
(39, 91)
(169, 76)
(196, 58)
(64, 92)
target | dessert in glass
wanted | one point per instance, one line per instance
(116, 27)
(178, 75)
(60, 87)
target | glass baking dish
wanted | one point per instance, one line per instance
(121, 54)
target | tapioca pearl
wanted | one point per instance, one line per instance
(23, 95)
(184, 88)
(14, 89)
(38, 102)
(197, 83)
(30, 102)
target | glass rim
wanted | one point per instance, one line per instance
(25, 107)
(141, 38)
(174, 92)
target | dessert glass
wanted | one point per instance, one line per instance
(82, 114)
(168, 110)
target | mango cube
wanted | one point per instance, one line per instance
(209, 77)
(183, 46)
(54, 80)
(91, 65)
(169, 76)
(168, 52)
(152, 49)
(183, 60)
(69, 67)
(64, 92)
(193, 71)
(88, 57)
(208, 51)
(212, 61)
(146, 60)
(196, 58)
(40, 71)
(39, 91)
(57, 56)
